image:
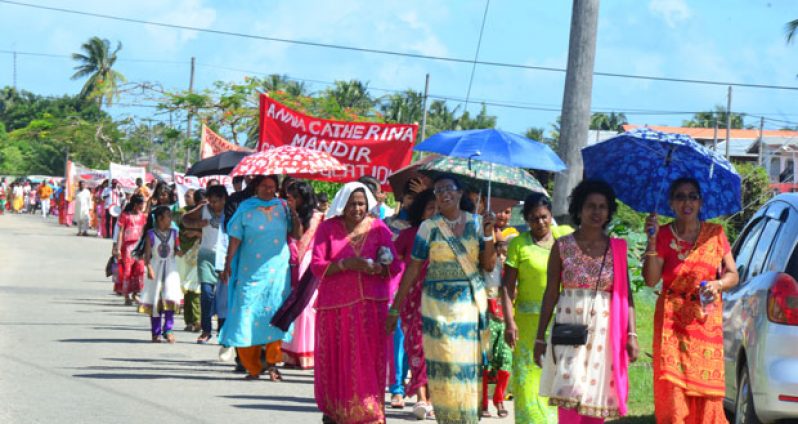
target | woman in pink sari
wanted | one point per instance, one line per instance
(353, 256)
(299, 351)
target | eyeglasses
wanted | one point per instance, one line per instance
(682, 197)
(439, 191)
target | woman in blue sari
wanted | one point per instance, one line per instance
(258, 275)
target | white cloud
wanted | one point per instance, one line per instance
(184, 12)
(673, 12)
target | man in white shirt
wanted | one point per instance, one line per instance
(83, 209)
(112, 196)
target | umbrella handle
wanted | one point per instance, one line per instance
(490, 180)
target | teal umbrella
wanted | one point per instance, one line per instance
(500, 181)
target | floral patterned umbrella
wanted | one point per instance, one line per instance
(640, 165)
(287, 160)
(505, 181)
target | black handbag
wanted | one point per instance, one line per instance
(576, 334)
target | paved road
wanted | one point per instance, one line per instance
(70, 351)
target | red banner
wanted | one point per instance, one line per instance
(366, 148)
(211, 144)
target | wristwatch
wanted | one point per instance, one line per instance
(487, 238)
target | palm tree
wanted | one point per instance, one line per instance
(607, 122)
(405, 108)
(351, 94)
(791, 29)
(96, 61)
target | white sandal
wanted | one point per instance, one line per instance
(423, 411)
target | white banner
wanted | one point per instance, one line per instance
(184, 183)
(126, 175)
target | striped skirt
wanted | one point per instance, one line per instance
(452, 350)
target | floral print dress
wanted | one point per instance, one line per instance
(582, 377)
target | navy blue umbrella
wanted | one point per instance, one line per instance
(641, 164)
(494, 146)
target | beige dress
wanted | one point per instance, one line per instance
(582, 377)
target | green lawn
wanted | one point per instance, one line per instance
(641, 378)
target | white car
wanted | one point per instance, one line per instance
(760, 317)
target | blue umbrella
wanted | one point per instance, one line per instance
(640, 165)
(494, 146)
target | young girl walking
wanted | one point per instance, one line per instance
(162, 293)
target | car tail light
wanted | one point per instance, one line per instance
(786, 398)
(783, 301)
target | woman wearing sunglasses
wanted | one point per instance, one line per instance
(694, 261)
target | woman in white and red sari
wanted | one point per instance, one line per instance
(299, 351)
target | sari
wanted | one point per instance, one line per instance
(351, 310)
(453, 307)
(299, 351)
(259, 281)
(410, 315)
(688, 343)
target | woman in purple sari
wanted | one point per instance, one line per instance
(353, 256)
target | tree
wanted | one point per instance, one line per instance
(352, 94)
(19, 107)
(534, 134)
(96, 62)
(791, 30)
(607, 122)
(402, 108)
(709, 118)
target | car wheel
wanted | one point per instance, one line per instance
(744, 405)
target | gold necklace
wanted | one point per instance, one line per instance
(681, 252)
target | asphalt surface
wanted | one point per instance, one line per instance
(71, 352)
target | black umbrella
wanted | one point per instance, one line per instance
(220, 164)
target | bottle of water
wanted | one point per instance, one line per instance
(707, 299)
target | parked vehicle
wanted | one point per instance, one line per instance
(760, 317)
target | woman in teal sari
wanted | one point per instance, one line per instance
(453, 301)
(258, 274)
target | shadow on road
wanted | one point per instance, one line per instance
(104, 341)
(294, 399)
(283, 408)
(129, 376)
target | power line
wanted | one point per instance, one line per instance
(476, 54)
(66, 56)
(392, 52)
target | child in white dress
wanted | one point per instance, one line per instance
(162, 293)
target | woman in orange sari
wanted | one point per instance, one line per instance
(688, 337)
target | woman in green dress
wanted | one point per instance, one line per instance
(523, 285)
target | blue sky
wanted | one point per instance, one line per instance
(733, 40)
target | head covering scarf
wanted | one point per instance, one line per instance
(342, 198)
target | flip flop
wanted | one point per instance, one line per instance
(500, 410)
(397, 402)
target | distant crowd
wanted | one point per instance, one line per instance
(442, 300)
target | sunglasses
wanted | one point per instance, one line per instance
(682, 197)
(439, 191)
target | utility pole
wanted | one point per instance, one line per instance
(151, 152)
(576, 101)
(173, 159)
(728, 122)
(424, 108)
(190, 114)
(15, 68)
(761, 142)
(715, 136)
